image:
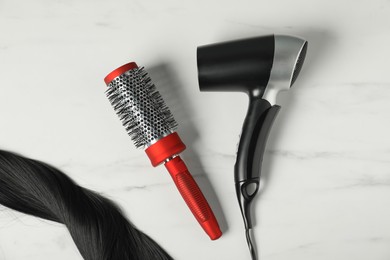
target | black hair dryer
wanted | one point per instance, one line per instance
(261, 67)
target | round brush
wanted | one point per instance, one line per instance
(151, 125)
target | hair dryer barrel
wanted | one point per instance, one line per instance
(261, 66)
(240, 65)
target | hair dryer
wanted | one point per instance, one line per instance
(261, 67)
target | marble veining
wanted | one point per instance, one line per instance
(325, 185)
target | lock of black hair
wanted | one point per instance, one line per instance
(97, 226)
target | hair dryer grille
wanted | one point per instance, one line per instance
(140, 107)
(298, 65)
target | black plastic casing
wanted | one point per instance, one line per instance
(247, 169)
(242, 65)
(245, 66)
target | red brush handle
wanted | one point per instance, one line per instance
(193, 197)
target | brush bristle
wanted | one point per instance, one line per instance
(140, 107)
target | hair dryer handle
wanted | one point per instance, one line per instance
(247, 170)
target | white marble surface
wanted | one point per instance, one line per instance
(326, 192)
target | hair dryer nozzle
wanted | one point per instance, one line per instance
(261, 66)
(288, 59)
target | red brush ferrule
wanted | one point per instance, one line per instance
(119, 71)
(165, 148)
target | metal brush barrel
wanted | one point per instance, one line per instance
(140, 107)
